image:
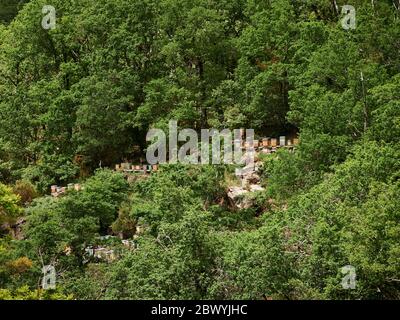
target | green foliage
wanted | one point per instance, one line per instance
(174, 265)
(102, 195)
(175, 189)
(26, 190)
(252, 265)
(24, 293)
(74, 220)
(9, 9)
(84, 94)
(349, 219)
(9, 205)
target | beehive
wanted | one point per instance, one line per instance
(282, 141)
(126, 166)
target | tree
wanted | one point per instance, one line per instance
(9, 205)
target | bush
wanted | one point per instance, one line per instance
(9, 205)
(26, 191)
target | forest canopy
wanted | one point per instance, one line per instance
(77, 99)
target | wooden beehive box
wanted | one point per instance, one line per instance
(126, 166)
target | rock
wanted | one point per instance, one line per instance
(250, 180)
(255, 188)
(235, 192)
(129, 244)
(253, 178)
(266, 151)
(104, 253)
(237, 196)
(17, 228)
(106, 237)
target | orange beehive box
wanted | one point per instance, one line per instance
(274, 142)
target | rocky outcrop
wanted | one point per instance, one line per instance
(237, 196)
(249, 177)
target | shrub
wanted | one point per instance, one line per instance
(26, 191)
